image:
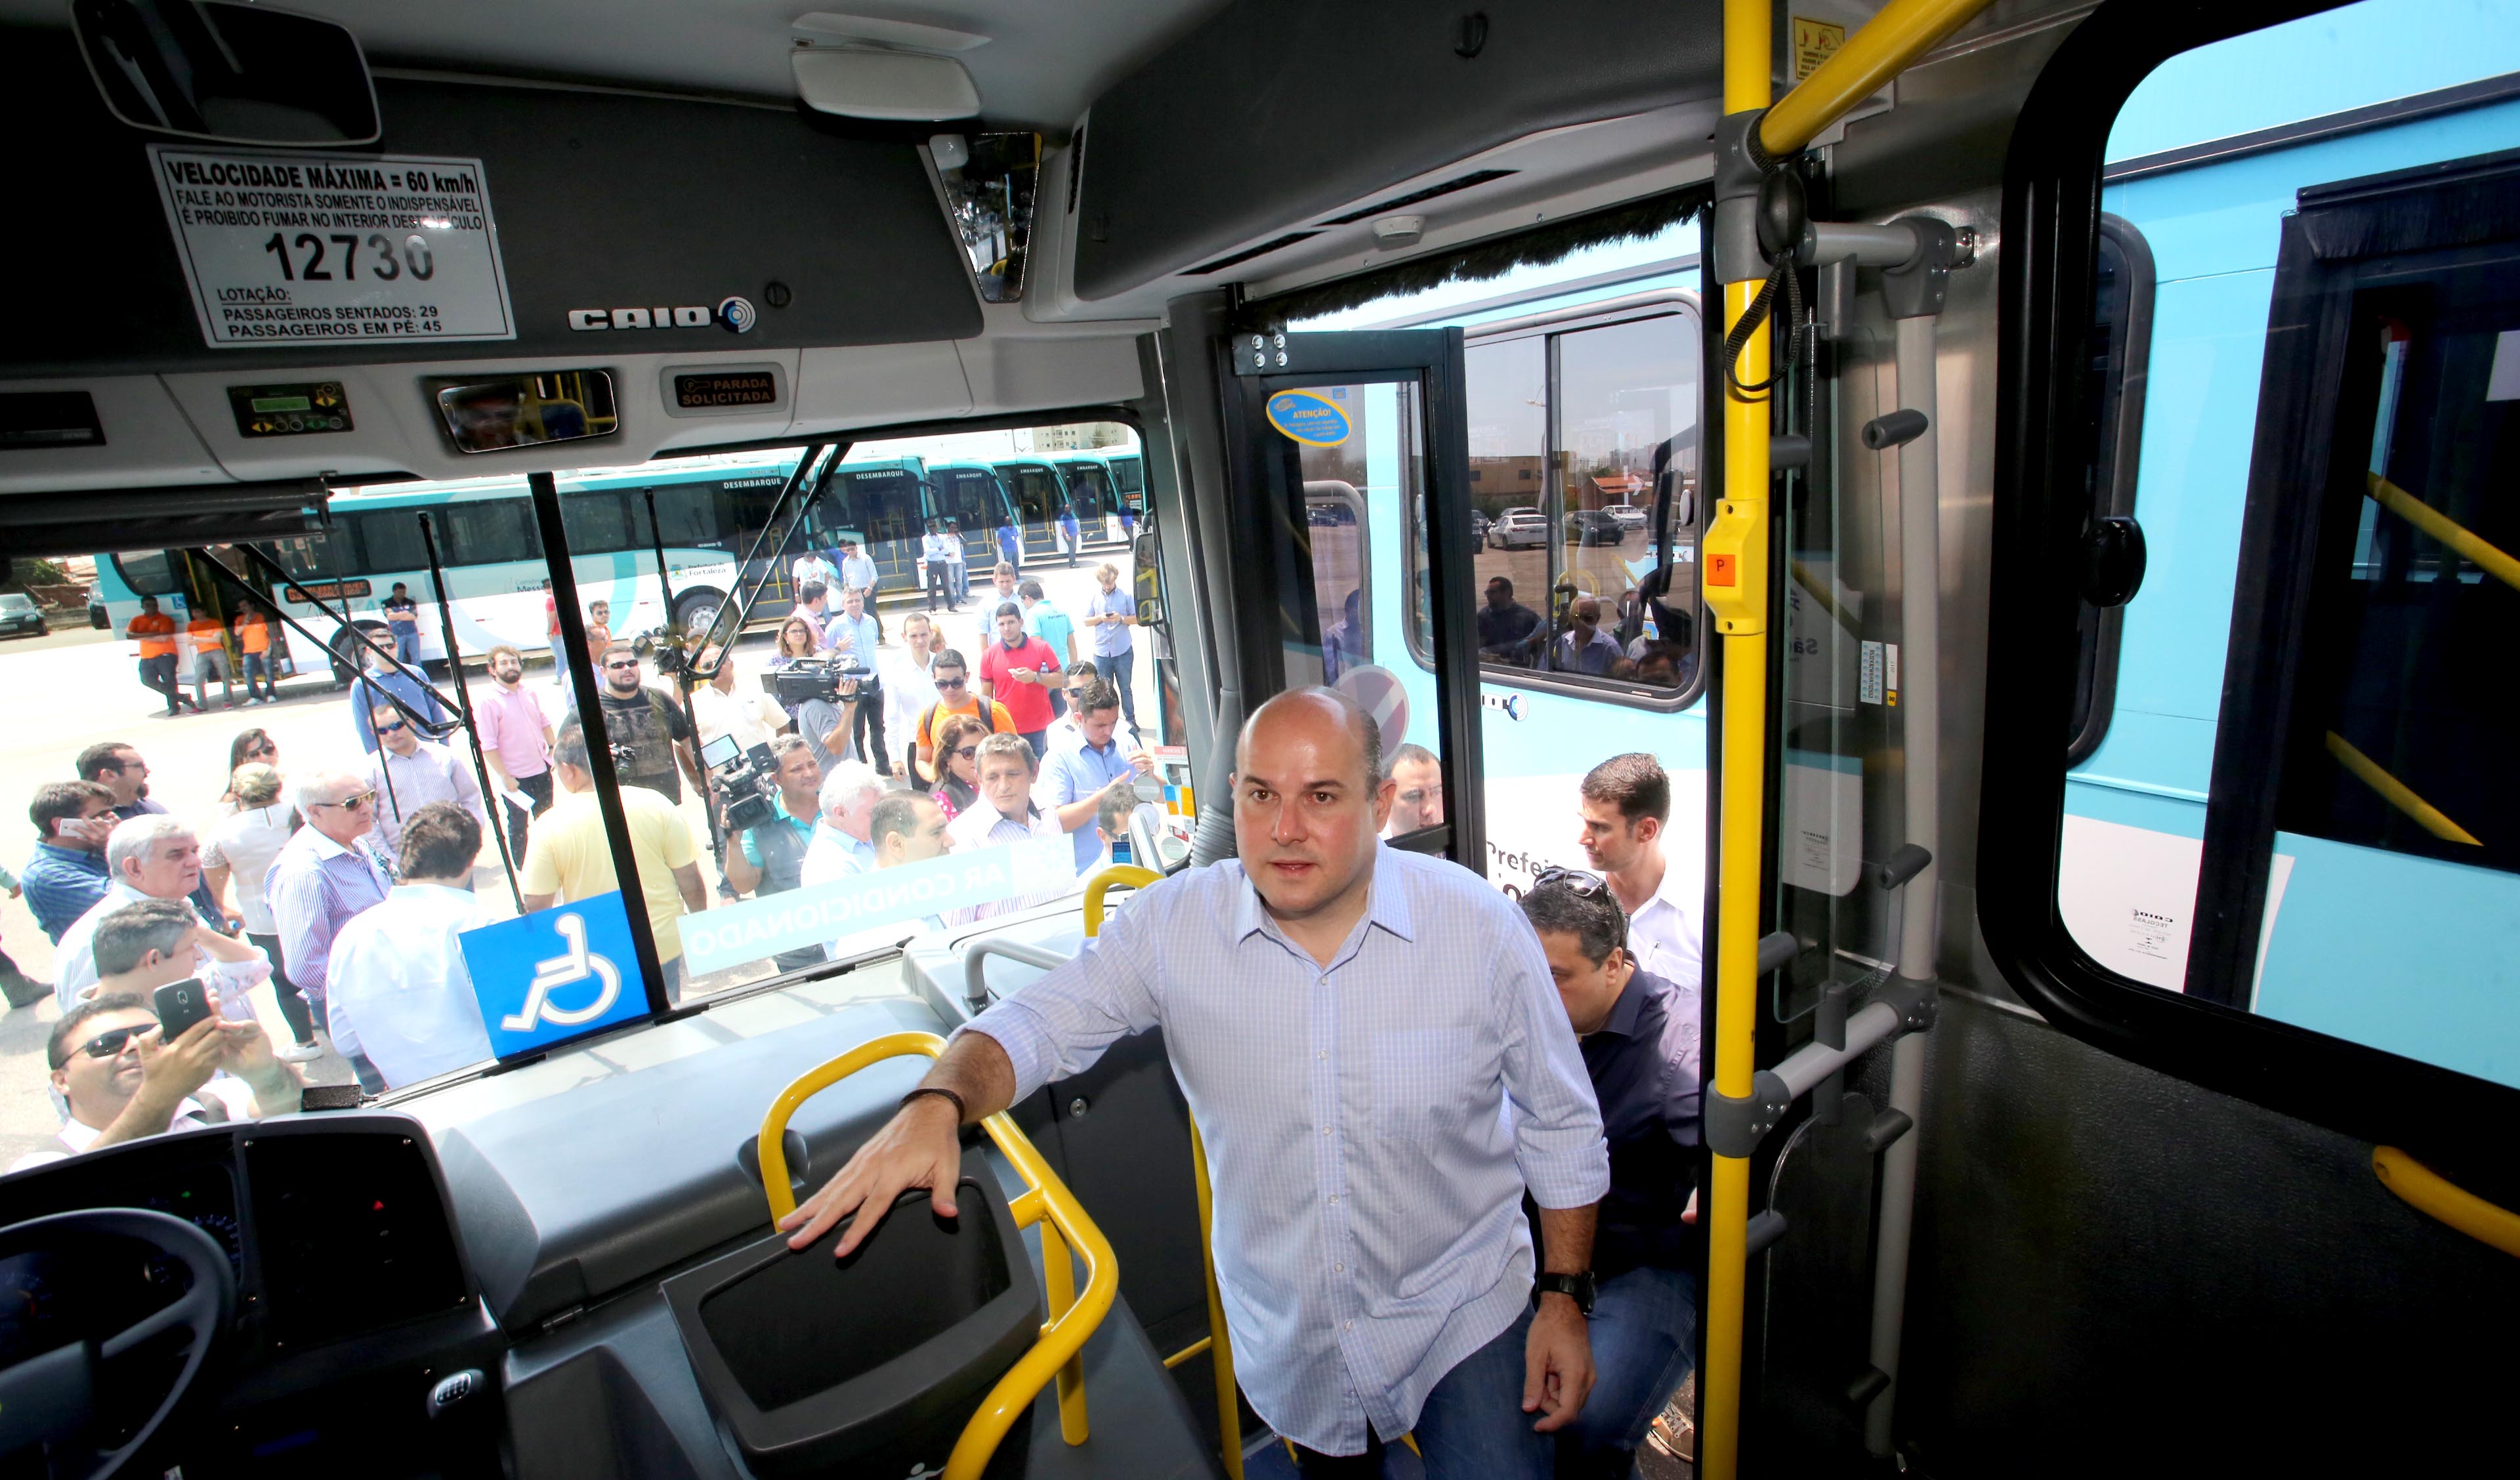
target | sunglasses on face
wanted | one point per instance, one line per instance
(967, 751)
(391, 728)
(351, 803)
(264, 750)
(949, 683)
(632, 665)
(110, 1042)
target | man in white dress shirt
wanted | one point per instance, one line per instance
(719, 707)
(410, 773)
(841, 843)
(1626, 801)
(400, 991)
(1005, 814)
(157, 857)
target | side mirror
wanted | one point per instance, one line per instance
(232, 74)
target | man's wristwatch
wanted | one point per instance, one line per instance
(1579, 1288)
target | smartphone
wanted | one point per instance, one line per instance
(180, 1005)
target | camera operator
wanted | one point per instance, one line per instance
(718, 707)
(772, 856)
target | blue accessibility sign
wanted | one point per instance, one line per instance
(556, 975)
(1313, 419)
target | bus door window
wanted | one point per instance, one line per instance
(1353, 573)
(1508, 391)
(1622, 392)
(882, 506)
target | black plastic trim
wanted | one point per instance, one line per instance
(2052, 178)
(2117, 501)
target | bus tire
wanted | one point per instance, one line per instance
(349, 656)
(695, 611)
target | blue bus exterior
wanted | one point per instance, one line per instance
(2338, 916)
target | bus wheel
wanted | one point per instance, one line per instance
(349, 656)
(695, 612)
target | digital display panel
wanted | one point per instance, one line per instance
(283, 403)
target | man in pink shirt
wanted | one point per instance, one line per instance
(516, 742)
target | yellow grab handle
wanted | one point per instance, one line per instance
(2441, 526)
(2435, 1196)
(1116, 877)
(1899, 33)
(1064, 1225)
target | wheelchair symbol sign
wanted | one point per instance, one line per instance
(555, 975)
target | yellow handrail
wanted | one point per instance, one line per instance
(1902, 31)
(2441, 526)
(1114, 877)
(2428, 1192)
(1734, 576)
(1063, 1223)
(2396, 792)
(1218, 1342)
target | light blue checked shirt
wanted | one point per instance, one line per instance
(1369, 1128)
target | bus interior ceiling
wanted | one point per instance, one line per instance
(2102, 1244)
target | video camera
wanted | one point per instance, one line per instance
(744, 781)
(818, 678)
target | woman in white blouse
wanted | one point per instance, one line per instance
(241, 847)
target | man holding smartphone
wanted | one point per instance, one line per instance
(67, 875)
(123, 1078)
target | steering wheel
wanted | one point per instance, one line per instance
(51, 1398)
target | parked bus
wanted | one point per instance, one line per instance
(1041, 498)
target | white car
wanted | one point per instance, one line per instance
(1524, 528)
(1627, 516)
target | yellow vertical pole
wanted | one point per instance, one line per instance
(1736, 583)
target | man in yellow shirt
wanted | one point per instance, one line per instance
(155, 632)
(570, 857)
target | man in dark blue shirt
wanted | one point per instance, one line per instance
(1640, 1050)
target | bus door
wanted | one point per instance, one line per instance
(1088, 492)
(1345, 453)
(1041, 497)
(976, 499)
(886, 506)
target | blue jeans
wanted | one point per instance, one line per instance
(1645, 1326)
(258, 664)
(1115, 667)
(1473, 1426)
(407, 643)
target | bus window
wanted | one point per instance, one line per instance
(2296, 800)
(148, 574)
(308, 556)
(1508, 395)
(686, 514)
(598, 522)
(883, 505)
(489, 530)
(391, 539)
(1565, 430)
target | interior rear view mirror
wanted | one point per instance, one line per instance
(527, 410)
(234, 74)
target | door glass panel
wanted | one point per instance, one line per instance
(1626, 392)
(1363, 506)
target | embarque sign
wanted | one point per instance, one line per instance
(297, 249)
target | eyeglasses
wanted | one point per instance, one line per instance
(265, 748)
(967, 751)
(632, 665)
(949, 683)
(1576, 881)
(391, 728)
(110, 1042)
(351, 803)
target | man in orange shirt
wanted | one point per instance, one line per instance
(254, 643)
(208, 637)
(954, 695)
(155, 631)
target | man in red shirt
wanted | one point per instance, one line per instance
(155, 632)
(1018, 671)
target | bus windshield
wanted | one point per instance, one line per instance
(384, 714)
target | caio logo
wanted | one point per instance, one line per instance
(735, 315)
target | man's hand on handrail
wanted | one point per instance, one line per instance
(920, 1146)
